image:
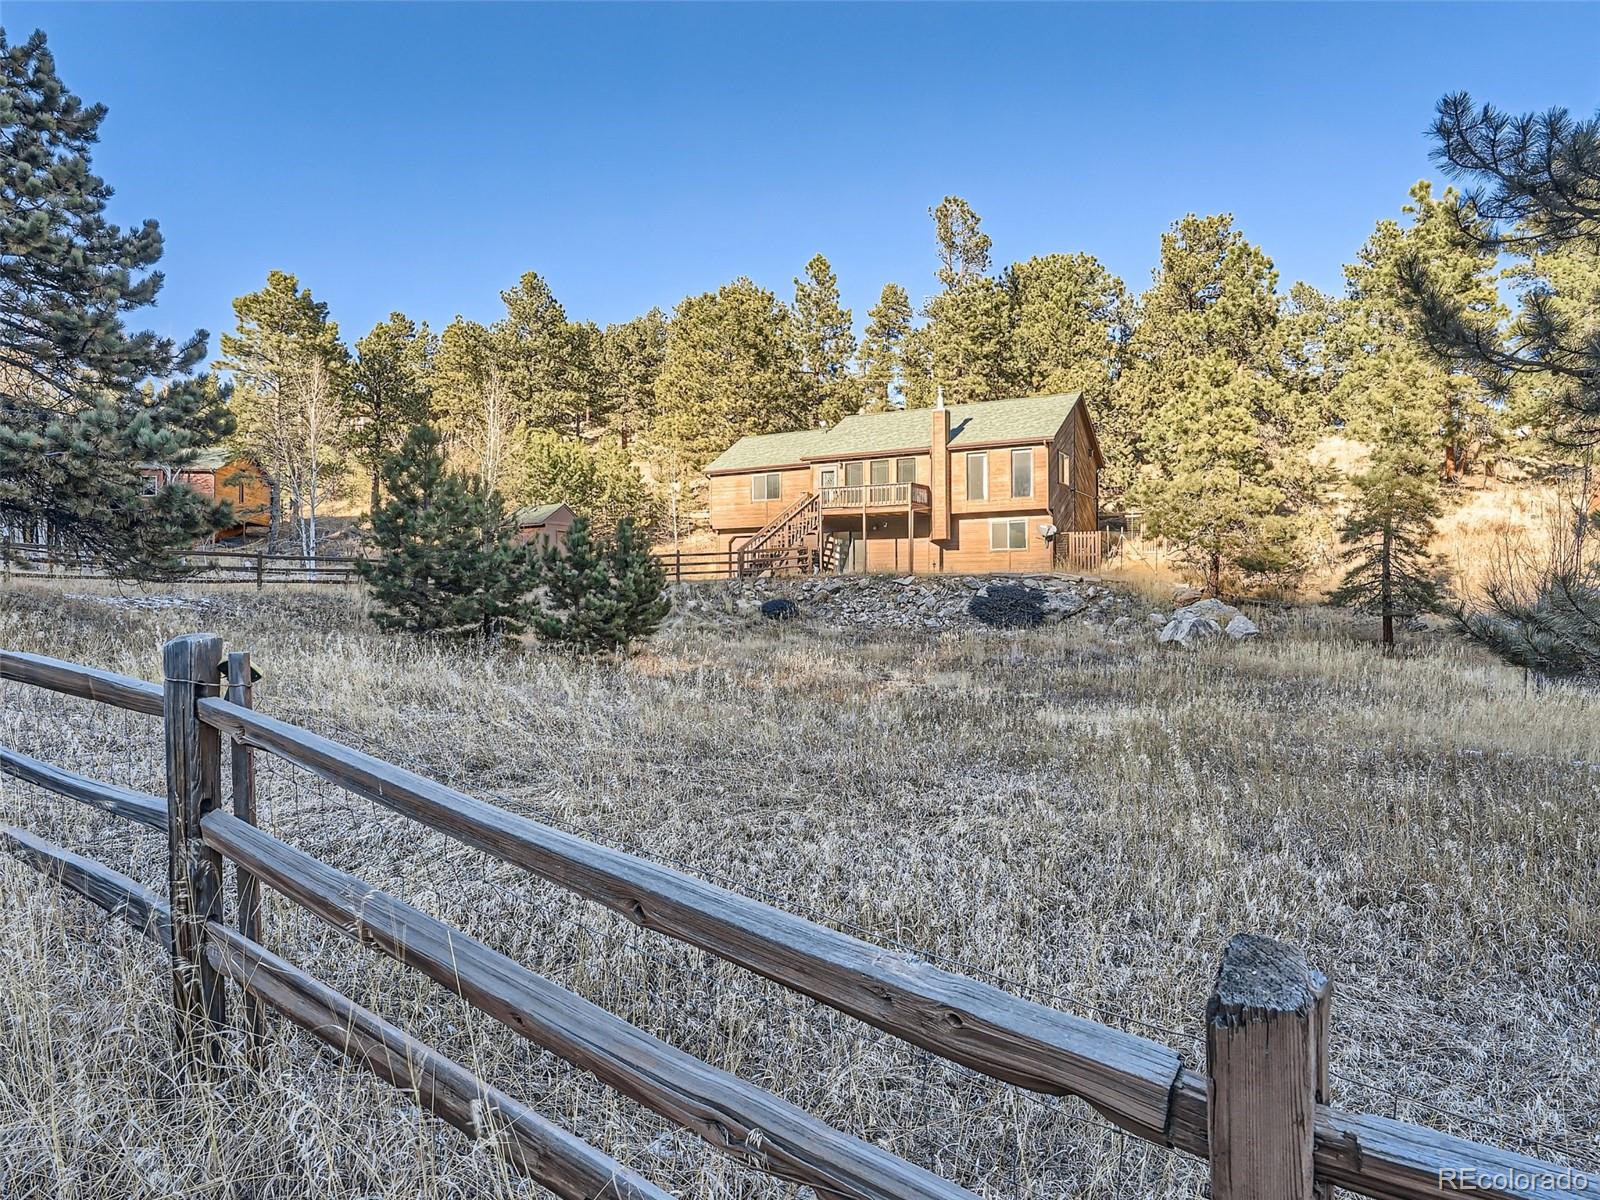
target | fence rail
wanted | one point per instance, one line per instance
(1259, 1112)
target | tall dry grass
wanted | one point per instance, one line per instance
(1087, 821)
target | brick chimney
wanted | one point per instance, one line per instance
(939, 471)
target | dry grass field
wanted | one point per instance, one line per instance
(1088, 822)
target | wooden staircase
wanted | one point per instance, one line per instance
(787, 544)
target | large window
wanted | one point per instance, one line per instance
(766, 487)
(978, 476)
(1022, 472)
(880, 470)
(1010, 533)
(855, 474)
(905, 470)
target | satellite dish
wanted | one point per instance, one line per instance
(1047, 531)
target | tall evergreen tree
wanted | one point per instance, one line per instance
(631, 355)
(732, 368)
(883, 348)
(1203, 424)
(446, 561)
(1069, 319)
(291, 375)
(388, 393)
(74, 420)
(549, 362)
(827, 341)
(472, 399)
(966, 342)
(963, 246)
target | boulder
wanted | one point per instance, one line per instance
(1184, 594)
(1210, 608)
(780, 609)
(1240, 627)
(1189, 631)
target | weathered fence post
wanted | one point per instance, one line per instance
(1266, 1022)
(261, 564)
(242, 766)
(191, 667)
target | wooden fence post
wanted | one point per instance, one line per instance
(242, 766)
(260, 570)
(1266, 1063)
(191, 667)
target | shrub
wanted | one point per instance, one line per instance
(600, 594)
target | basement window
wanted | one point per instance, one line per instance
(1009, 534)
(766, 487)
(1022, 473)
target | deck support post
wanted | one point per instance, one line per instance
(1266, 1064)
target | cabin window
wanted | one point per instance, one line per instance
(766, 487)
(855, 474)
(1066, 469)
(905, 470)
(1009, 534)
(1022, 472)
(149, 485)
(880, 470)
(978, 476)
(827, 477)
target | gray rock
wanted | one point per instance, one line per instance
(1189, 631)
(1210, 608)
(1240, 627)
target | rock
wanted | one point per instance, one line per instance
(1240, 627)
(780, 609)
(1210, 608)
(1189, 631)
(1184, 594)
(1157, 618)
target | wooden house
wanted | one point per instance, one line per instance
(220, 474)
(969, 488)
(544, 524)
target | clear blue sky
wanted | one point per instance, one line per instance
(422, 156)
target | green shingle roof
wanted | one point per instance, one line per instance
(768, 450)
(536, 514)
(1025, 418)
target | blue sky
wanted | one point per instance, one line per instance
(422, 156)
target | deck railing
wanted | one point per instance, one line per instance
(876, 495)
(1259, 1112)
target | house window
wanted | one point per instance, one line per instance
(827, 477)
(149, 485)
(880, 470)
(1022, 472)
(766, 487)
(905, 470)
(855, 474)
(978, 476)
(1066, 469)
(1010, 533)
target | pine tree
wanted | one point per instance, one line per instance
(446, 561)
(600, 595)
(291, 376)
(1068, 322)
(882, 348)
(631, 355)
(74, 420)
(388, 393)
(731, 368)
(966, 342)
(826, 341)
(549, 362)
(597, 480)
(1386, 566)
(472, 401)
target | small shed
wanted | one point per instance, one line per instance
(220, 474)
(544, 524)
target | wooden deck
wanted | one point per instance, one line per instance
(916, 496)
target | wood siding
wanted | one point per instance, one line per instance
(733, 510)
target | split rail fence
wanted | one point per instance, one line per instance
(1258, 1112)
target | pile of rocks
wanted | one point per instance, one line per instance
(1202, 621)
(932, 602)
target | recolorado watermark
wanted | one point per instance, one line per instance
(1510, 1179)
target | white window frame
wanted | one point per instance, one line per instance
(1027, 456)
(983, 474)
(766, 486)
(997, 542)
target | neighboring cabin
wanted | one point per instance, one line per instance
(219, 474)
(972, 488)
(544, 524)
